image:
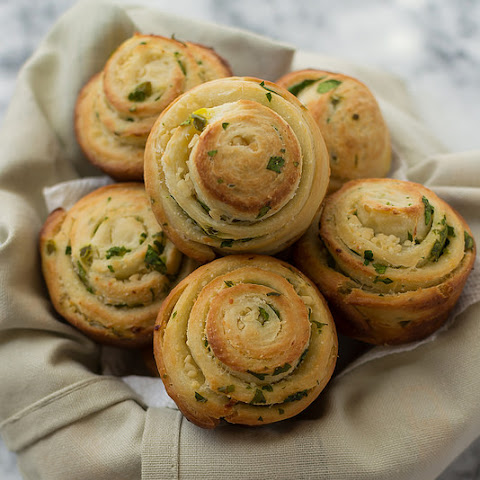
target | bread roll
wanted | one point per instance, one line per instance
(350, 120)
(235, 165)
(245, 338)
(391, 258)
(117, 108)
(108, 266)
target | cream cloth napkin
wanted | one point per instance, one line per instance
(402, 415)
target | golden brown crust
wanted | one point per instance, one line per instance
(245, 338)
(108, 266)
(235, 165)
(117, 108)
(351, 122)
(391, 258)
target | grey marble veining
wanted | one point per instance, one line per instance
(433, 45)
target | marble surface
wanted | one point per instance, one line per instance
(433, 45)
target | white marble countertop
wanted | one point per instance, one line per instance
(433, 45)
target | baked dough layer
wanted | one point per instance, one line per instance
(108, 265)
(245, 338)
(117, 108)
(235, 165)
(350, 120)
(390, 256)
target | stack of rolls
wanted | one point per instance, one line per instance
(118, 106)
(238, 167)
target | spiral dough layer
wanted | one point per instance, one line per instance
(390, 256)
(235, 165)
(244, 338)
(108, 266)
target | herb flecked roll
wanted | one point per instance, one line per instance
(391, 258)
(247, 339)
(349, 117)
(235, 165)
(108, 266)
(117, 107)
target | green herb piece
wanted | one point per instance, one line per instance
(296, 396)
(355, 116)
(273, 294)
(204, 205)
(86, 254)
(404, 323)
(428, 210)
(200, 398)
(275, 164)
(409, 236)
(379, 268)
(260, 376)
(328, 85)
(199, 122)
(281, 411)
(279, 370)
(225, 125)
(439, 244)
(50, 247)
(188, 121)
(319, 325)
(68, 250)
(226, 243)
(263, 211)
(220, 180)
(180, 63)
(368, 256)
(141, 92)
(142, 43)
(82, 275)
(262, 84)
(269, 96)
(450, 231)
(228, 283)
(111, 268)
(468, 241)
(212, 153)
(386, 281)
(227, 389)
(130, 119)
(174, 314)
(259, 397)
(298, 87)
(116, 252)
(143, 236)
(153, 261)
(267, 388)
(263, 314)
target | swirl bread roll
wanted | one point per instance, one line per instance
(117, 108)
(108, 266)
(391, 258)
(235, 165)
(350, 120)
(245, 338)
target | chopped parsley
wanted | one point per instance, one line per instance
(298, 87)
(296, 396)
(228, 283)
(283, 369)
(468, 241)
(328, 85)
(225, 125)
(428, 210)
(227, 389)
(379, 268)
(141, 92)
(259, 397)
(226, 243)
(68, 250)
(200, 398)
(260, 376)
(86, 254)
(199, 122)
(116, 252)
(273, 294)
(153, 260)
(212, 153)
(264, 316)
(263, 211)
(386, 281)
(368, 256)
(275, 164)
(319, 325)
